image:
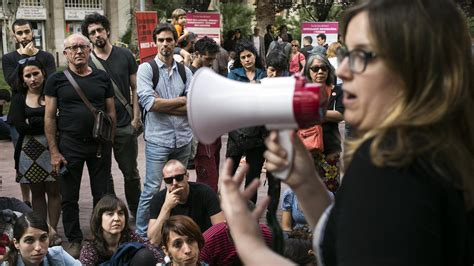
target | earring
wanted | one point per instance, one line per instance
(167, 259)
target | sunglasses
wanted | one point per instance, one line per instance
(24, 60)
(169, 180)
(317, 68)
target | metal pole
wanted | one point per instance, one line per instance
(142, 5)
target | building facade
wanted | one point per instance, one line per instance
(54, 20)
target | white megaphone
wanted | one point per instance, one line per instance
(217, 105)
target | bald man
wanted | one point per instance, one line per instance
(74, 124)
(181, 197)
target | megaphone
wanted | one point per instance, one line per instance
(217, 105)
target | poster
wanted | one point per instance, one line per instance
(204, 24)
(331, 29)
(146, 23)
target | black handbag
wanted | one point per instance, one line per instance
(102, 129)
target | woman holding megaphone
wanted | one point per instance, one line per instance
(408, 191)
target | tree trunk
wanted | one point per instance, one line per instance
(265, 14)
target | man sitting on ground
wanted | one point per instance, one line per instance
(195, 200)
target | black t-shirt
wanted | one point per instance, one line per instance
(119, 66)
(10, 66)
(331, 135)
(392, 216)
(201, 205)
(74, 116)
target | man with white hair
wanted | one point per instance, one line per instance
(75, 121)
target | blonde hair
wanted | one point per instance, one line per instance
(431, 120)
(176, 14)
(332, 49)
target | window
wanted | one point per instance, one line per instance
(31, 3)
(83, 4)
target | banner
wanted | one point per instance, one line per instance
(146, 23)
(204, 24)
(331, 29)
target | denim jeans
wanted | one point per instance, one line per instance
(125, 152)
(156, 158)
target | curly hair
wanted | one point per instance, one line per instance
(246, 46)
(95, 18)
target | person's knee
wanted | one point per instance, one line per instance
(143, 257)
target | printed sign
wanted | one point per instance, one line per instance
(146, 23)
(312, 29)
(204, 24)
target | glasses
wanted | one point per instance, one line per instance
(358, 58)
(169, 180)
(98, 30)
(294, 45)
(164, 39)
(28, 59)
(75, 48)
(317, 68)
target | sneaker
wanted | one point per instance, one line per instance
(74, 249)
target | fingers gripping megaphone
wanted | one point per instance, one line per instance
(217, 105)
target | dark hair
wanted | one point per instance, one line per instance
(95, 18)
(269, 27)
(297, 250)
(331, 79)
(165, 27)
(22, 223)
(21, 86)
(278, 60)
(322, 36)
(246, 45)
(21, 22)
(105, 204)
(183, 226)
(308, 38)
(206, 45)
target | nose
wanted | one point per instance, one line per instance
(186, 249)
(343, 70)
(37, 246)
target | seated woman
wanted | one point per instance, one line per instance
(292, 216)
(30, 244)
(110, 229)
(181, 241)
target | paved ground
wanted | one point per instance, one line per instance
(9, 188)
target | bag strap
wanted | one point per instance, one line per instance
(117, 91)
(156, 72)
(79, 91)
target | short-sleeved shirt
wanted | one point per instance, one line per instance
(296, 63)
(290, 203)
(202, 203)
(331, 134)
(74, 116)
(119, 66)
(171, 131)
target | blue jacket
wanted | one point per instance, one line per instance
(239, 74)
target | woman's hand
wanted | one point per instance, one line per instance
(302, 166)
(242, 222)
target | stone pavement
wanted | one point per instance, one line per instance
(9, 188)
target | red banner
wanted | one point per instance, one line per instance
(146, 23)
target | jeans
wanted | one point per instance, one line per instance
(125, 152)
(78, 151)
(156, 158)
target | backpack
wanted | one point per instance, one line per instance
(156, 78)
(124, 254)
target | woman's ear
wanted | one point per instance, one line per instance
(16, 243)
(164, 250)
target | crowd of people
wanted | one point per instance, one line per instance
(408, 192)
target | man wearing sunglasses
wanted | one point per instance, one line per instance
(181, 197)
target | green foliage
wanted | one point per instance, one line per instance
(165, 8)
(236, 15)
